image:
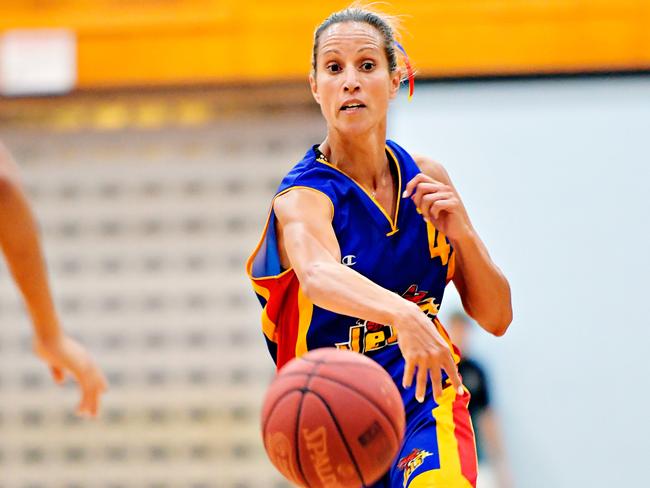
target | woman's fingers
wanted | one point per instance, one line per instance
(452, 371)
(429, 202)
(409, 370)
(425, 192)
(424, 189)
(93, 401)
(97, 386)
(69, 357)
(436, 382)
(442, 205)
(414, 185)
(421, 382)
(411, 185)
(57, 374)
(84, 402)
(426, 356)
(92, 384)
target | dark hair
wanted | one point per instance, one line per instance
(381, 22)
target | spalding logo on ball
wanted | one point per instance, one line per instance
(332, 418)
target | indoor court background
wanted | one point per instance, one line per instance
(151, 137)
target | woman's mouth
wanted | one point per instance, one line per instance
(352, 107)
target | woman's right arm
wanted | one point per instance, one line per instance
(307, 243)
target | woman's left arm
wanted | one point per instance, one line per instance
(483, 288)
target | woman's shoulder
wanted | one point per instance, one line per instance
(305, 171)
(308, 182)
(306, 190)
(432, 168)
(424, 164)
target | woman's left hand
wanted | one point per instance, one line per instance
(65, 356)
(439, 204)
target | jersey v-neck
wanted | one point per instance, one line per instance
(320, 157)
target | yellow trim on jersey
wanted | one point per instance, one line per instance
(443, 332)
(268, 326)
(398, 196)
(451, 267)
(438, 246)
(251, 258)
(305, 311)
(450, 473)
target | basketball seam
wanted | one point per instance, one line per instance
(318, 362)
(297, 439)
(341, 435)
(383, 412)
(270, 414)
(301, 389)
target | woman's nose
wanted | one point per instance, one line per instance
(351, 82)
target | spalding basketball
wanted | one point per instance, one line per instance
(332, 418)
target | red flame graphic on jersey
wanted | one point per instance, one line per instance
(412, 295)
(406, 460)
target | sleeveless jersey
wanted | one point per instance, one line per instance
(403, 254)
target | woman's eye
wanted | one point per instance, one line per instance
(333, 68)
(367, 66)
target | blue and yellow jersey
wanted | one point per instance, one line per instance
(403, 254)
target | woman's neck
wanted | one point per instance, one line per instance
(361, 157)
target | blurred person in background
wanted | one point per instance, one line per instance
(20, 244)
(492, 458)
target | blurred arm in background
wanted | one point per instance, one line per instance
(20, 244)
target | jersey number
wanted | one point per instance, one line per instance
(438, 245)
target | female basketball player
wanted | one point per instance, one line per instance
(360, 242)
(20, 244)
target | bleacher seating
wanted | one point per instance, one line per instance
(146, 234)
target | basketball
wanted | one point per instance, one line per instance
(332, 418)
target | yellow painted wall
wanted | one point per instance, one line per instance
(173, 42)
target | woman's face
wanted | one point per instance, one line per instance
(353, 84)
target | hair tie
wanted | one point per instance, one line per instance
(409, 70)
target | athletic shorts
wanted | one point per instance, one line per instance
(439, 450)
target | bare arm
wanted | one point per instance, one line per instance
(308, 244)
(20, 244)
(483, 288)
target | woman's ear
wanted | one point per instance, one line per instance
(395, 82)
(314, 88)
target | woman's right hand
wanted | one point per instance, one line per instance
(425, 353)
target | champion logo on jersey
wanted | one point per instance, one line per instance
(349, 260)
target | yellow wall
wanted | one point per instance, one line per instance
(162, 42)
